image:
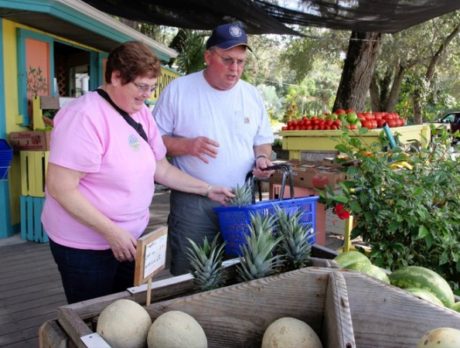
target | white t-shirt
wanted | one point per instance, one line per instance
(236, 119)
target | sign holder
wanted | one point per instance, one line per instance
(150, 258)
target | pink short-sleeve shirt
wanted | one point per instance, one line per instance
(89, 136)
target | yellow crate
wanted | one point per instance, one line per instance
(33, 172)
(326, 140)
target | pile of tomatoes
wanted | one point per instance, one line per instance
(346, 118)
(372, 120)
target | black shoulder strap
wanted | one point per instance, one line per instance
(137, 126)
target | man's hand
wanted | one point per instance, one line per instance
(262, 163)
(203, 147)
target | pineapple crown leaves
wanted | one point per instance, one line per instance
(258, 259)
(206, 263)
(243, 195)
(294, 245)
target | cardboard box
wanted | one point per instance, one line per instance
(30, 140)
(304, 172)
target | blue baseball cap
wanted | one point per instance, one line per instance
(227, 36)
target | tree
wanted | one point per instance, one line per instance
(411, 75)
(357, 72)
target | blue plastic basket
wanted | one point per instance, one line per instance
(6, 155)
(234, 221)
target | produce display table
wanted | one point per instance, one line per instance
(300, 142)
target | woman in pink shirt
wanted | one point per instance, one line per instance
(106, 152)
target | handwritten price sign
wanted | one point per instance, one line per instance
(151, 255)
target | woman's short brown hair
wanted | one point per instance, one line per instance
(132, 59)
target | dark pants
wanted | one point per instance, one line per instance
(191, 216)
(88, 274)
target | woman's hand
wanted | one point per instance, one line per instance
(220, 194)
(123, 245)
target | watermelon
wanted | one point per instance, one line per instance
(376, 272)
(423, 278)
(352, 260)
(456, 306)
(425, 295)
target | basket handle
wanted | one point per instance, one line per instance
(287, 175)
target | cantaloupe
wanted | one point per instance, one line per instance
(443, 337)
(124, 324)
(289, 332)
(176, 329)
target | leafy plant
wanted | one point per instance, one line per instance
(410, 214)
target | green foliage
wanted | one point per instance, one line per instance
(191, 47)
(407, 216)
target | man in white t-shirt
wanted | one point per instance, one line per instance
(216, 128)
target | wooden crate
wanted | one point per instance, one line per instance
(31, 226)
(237, 315)
(33, 172)
(346, 308)
(63, 333)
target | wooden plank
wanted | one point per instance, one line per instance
(73, 325)
(385, 316)
(51, 335)
(337, 314)
(237, 315)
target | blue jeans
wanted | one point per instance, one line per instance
(89, 274)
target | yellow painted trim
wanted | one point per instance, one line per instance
(166, 77)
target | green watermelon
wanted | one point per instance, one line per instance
(423, 278)
(426, 295)
(352, 260)
(376, 272)
(456, 306)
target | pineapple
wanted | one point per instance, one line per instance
(243, 195)
(294, 245)
(258, 259)
(206, 263)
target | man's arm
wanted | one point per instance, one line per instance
(201, 147)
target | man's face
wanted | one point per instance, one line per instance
(224, 67)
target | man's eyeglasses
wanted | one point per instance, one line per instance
(228, 61)
(144, 88)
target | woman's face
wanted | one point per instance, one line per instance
(131, 96)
